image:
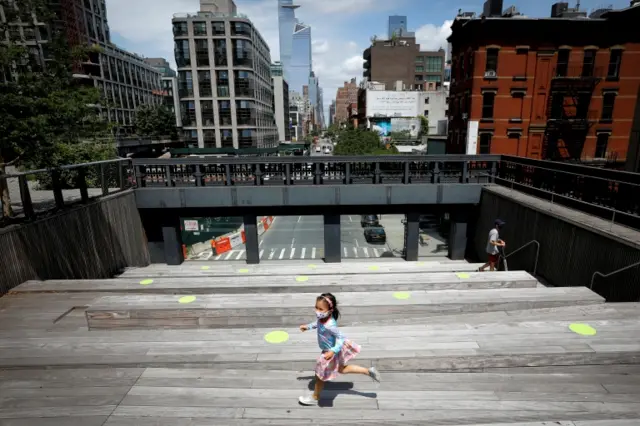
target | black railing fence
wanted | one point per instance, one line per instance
(315, 171)
(610, 194)
(37, 192)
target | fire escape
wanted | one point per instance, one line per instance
(568, 115)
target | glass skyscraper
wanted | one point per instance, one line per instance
(300, 64)
(286, 26)
(398, 26)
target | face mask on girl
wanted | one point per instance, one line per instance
(322, 315)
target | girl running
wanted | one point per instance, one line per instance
(336, 350)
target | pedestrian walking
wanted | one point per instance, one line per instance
(337, 350)
(494, 244)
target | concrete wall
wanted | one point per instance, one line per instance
(93, 241)
(569, 254)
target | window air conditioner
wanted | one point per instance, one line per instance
(490, 73)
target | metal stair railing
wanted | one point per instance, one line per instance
(535, 265)
(600, 274)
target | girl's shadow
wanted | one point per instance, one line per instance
(333, 389)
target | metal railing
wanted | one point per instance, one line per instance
(617, 271)
(611, 195)
(347, 170)
(535, 265)
(36, 192)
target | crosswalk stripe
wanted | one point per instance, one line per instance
(345, 252)
(293, 253)
(376, 252)
(366, 252)
(313, 253)
(271, 254)
(229, 255)
(281, 254)
(304, 249)
(355, 252)
(261, 253)
(240, 254)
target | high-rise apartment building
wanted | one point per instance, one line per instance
(400, 59)
(224, 79)
(398, 27)
(346, 97)
(162, 65)
(124, 79)
(281, 102)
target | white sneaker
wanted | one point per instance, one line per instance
(374, 374)
(308, 400)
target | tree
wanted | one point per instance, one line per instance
(361, 142)
(46, 114)
(424, 126)
(155, 121)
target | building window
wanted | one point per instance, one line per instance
(209, 138)
(218, 28)
(185, 84)
(188, 113)
(563, 62)
(426, 113)
(601, 145)
(206, 110)
(202, 53)
(183, 58)
(419, 68)
(244, 83)
(608, 99)
(224, 109)
(204, 83)
(240, 28)
(614, 64)
(488, 100)
(419, 59)
(492, 60)
(180, 29)
(227, 138)
(242, 50)
(220, 52)
(485, 143)
(419, 77)
(222, 82)
(199, 28)
(426, 100)
(434, 64)
(588, 63)
(246, 113)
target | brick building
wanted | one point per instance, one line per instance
(346, 98)
(546, 88)
(400, 59)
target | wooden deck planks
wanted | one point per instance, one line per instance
(513, 363)
(290, 283)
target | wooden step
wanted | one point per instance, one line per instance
(290, 283)
(277, 268)
(280, 310)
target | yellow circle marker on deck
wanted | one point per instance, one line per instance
(374, 268)
(402, 295)
(243, 270)
(146, 282)
(302, 278)
(583, 329)
(313, 266)
(421, 263)
(276, 337)
(205, 268)
(187, 299)
(463, 275)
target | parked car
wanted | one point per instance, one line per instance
(375, 234)
(369, 220)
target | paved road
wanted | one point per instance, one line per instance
(302, 237)
(323, 143)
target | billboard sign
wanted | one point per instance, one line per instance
(472, 137)
(382, 127)
(386, 103)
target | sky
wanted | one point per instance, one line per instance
(341, 29)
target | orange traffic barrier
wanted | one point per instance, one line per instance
(223, 245)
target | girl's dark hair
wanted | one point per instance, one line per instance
(335, 313)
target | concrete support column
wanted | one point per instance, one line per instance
(412, 236)
(332, 244)
(458, 234)
(172, 248)
(251, 239)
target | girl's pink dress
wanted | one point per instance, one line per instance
(331, 339)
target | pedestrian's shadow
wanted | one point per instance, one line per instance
(333, 389)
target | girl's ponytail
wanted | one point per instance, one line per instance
(335, 313)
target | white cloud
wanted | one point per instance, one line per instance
(343, 6)
(352, 45)
(353, 64)
(432, 37)
(319, 46)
